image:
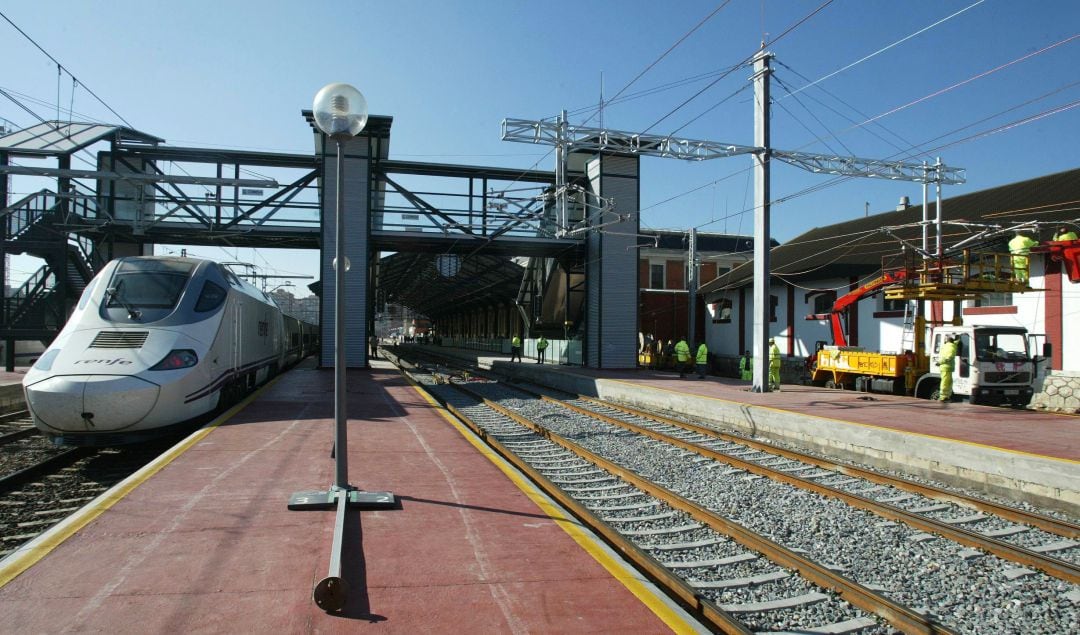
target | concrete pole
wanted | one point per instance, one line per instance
(762, 304)
(692, 286)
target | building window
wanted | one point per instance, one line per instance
(656, 276)
(993, 299)
(722, 312)
(774, 301)
(894, 305)
(823, 302)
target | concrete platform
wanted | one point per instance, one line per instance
(203, 542)
(1018, 454)
(11, 393)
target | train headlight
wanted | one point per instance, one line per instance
(45, 362)
(177, 359)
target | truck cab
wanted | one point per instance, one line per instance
(993, 364)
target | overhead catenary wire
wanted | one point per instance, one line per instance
(661, 57)
(746, 61)
(60, 67)
(886, 48)
(921, 151)
(853, 109)
(806, 127)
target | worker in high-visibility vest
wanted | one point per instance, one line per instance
(746, 367)
(1020, 246)
(541, 346)
(515, 348)
(1064, 233)
(682, 356)
(774, 365)
(702, 360)
(946, 359)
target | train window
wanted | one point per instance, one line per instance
(152, 284)
(231, 277)
(211, 297)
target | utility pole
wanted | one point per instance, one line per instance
(762, 209)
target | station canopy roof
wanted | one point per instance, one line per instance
(437, 284)
(59, 138)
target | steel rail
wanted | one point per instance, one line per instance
(901, 617)
(1049, 565)
(7, 417)
(657, 572)
(17, 434)
(1053, 525)
(57, 461)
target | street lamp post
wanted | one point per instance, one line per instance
(340, 111)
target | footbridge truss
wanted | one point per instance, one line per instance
(101, 191)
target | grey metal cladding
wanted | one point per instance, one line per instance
(612, 266)
(620, 268)
(357, 168)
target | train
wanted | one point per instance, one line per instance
(154, 344)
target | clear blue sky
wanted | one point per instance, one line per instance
(237, 73)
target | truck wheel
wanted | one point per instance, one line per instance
(830, 384)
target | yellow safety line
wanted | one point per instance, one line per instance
(586, 540)
(28, 555)
(854, 423)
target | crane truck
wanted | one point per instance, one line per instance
(994, 365)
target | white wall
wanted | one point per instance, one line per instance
(885, 334)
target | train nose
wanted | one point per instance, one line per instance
(91, 403)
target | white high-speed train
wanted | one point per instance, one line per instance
(155, 342)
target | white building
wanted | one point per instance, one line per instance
(812, 270)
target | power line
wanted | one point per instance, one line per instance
(820, 123)
(741, 64)
(911, 151)
(882, 50)
(60, 67)
(852, 108)
(942, 91)
(663, 55)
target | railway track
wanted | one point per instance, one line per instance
(888, 555)
(41, 485)
(15, 426)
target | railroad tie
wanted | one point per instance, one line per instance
(773, 605)
(719, 562)
(735, 583)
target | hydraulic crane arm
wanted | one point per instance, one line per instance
(844, 301)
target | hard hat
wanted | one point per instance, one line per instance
(772, 339)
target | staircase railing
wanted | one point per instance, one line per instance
(35, 287)
(26, 212)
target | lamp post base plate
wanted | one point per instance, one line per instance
(327, 499)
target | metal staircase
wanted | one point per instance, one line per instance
(33, 226)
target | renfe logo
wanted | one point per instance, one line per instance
(107, 362)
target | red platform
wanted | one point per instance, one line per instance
(206, 544)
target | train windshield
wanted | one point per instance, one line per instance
(152, 284)
(1000, 346)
